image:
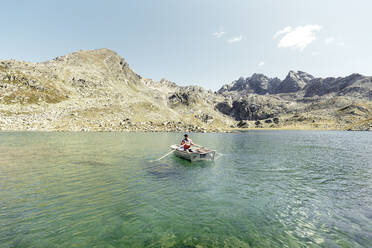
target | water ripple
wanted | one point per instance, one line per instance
(268, 189)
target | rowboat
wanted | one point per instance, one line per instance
(197, 154)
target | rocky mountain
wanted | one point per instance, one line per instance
(294, 82)
(256, 84)
(355, 85)
(262, 85)
(300, 100)
(96, 90)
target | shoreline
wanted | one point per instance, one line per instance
(230, 130)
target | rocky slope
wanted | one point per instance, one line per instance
(96, 90)
(300, 101)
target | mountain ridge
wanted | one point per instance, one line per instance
(294, 82)
(96, 90)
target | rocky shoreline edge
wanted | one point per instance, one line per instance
(183, 129)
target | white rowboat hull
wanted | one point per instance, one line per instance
(197, 154)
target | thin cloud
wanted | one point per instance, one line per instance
(329, 40)
(219, 34)
(297, 38)
(283, 31)
(261, 63)
(235, 39)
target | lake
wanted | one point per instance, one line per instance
(265, 189)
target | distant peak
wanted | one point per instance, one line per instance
(299, 75)
(101, 51)
(92, 56)
(258, 75)
(355, 75)
(291, 72)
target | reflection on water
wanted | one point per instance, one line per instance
(268, 189)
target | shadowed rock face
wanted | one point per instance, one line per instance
(245, 110)
(354, 85)
(251, 108)
(295, 81)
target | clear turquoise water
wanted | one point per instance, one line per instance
(268, 189)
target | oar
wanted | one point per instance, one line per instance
(203, 147)
(199, 145)
(163, 156)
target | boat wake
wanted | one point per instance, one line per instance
(218, 155)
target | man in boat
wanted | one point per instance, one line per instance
(187, 143)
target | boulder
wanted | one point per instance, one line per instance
(243, 124)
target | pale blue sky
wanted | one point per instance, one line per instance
(205, 42)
